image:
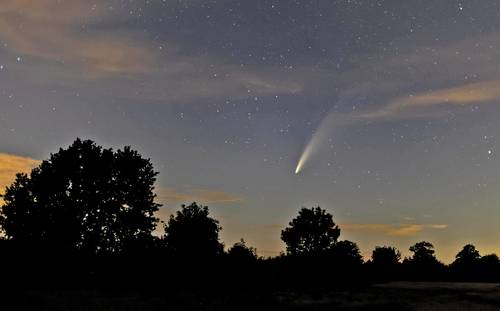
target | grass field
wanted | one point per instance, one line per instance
(390, 296)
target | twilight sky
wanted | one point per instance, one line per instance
(391, 107)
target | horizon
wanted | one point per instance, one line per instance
(383, 113)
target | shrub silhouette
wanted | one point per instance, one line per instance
(83, 198)
(193, 234)
(312, 231)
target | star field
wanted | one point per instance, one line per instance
(400, 98)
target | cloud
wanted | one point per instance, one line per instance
(188, 195)
(472, 93)
(185, 78)
(438, 226)
(68, 35)
(402, 230)
(10, 165)
(425, 79)
(56, 31)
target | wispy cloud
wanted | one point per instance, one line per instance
(10, 165)
(472, 93)
(438, 226)
(56, 31)
(401, 230)
(67, 35)
(200, 195)
(426, 79)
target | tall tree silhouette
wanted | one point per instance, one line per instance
(193, 234)
(313, 230)
(83, 198)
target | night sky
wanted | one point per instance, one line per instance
(390, 108)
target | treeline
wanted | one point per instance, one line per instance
(85, 218)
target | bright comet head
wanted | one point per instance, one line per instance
(324, 132)
(302, 159)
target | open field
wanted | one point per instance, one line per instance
(391, 296)
(418, 296)
(410, 296)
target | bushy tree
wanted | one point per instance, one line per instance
(83, 198)
(490, 260)
(346, 253)
(312, 231)
(423, 265)
(240, 252)
(385, 256)
(385, 263)
(193, 234)
(423, 252)
(488, 268)
(468, 256)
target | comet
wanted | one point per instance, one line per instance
(308, 151)
(327, 128)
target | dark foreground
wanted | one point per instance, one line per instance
(391, 296)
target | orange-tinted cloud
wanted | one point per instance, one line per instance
(10, 165)
(58, 32)
(55, 30)
(403, 230)
(472, 93)
(189, 195)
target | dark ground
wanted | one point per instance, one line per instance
(391, 296)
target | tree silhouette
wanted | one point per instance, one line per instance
(83, 198)
(488, 268)
(312, 231)
(385, 263)
(192, 234)
(346, 253)
(423, 252)
(468, 256)
(240, 252)
(385, 256)
(423, 265)
(467, 264)
(490, 260)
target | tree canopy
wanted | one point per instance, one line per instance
(423, 253)
(83, 198)
(192, 233)
(385, 256)
(346, 252)
(313, 230)
(241, 252)
(469, 255)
